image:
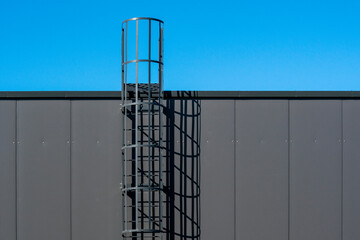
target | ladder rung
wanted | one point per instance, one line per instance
(142, 237)
(142, 175)
(140, 217)
(155, 201)
(143, 205)
(145, 160)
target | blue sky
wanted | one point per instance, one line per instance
(209, 45)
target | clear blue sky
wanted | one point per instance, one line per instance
(209, 45)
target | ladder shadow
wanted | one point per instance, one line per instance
(182, 183)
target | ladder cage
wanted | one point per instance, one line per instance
(142, 143)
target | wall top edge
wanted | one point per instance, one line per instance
(180, 94)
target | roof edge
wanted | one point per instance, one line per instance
(59, 94)
(262, 94)
(182, 94)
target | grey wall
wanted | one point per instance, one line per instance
(269, 169)
(7, 170)
(43, 169)
(217, 170)
(261, 164)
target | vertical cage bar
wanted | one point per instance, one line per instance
(123, 124)
(136, 126)
(126, 111)
(149, 123)
(124, 132)
(160, 132)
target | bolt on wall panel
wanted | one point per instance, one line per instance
(315, 169)
(351, 169)
(43, 170)
(7, 170)
(261, 169)
(96, 171)
(217, 169)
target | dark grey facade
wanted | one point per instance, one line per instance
(262, 168)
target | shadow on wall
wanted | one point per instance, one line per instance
(183, 169)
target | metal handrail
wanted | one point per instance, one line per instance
(142, 60)
(142, 18)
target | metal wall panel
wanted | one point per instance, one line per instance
(43, 170)
(351, 169)
(217, 169)
(261, 169)
(48, 188)
(7, 170)
(96, 172)
(315, 169)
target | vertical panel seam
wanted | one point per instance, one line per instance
(16, 170)
(70, 168)
(234, 142)
(288, 169)
(342, 169)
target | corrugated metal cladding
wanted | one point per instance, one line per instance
(268, 169)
